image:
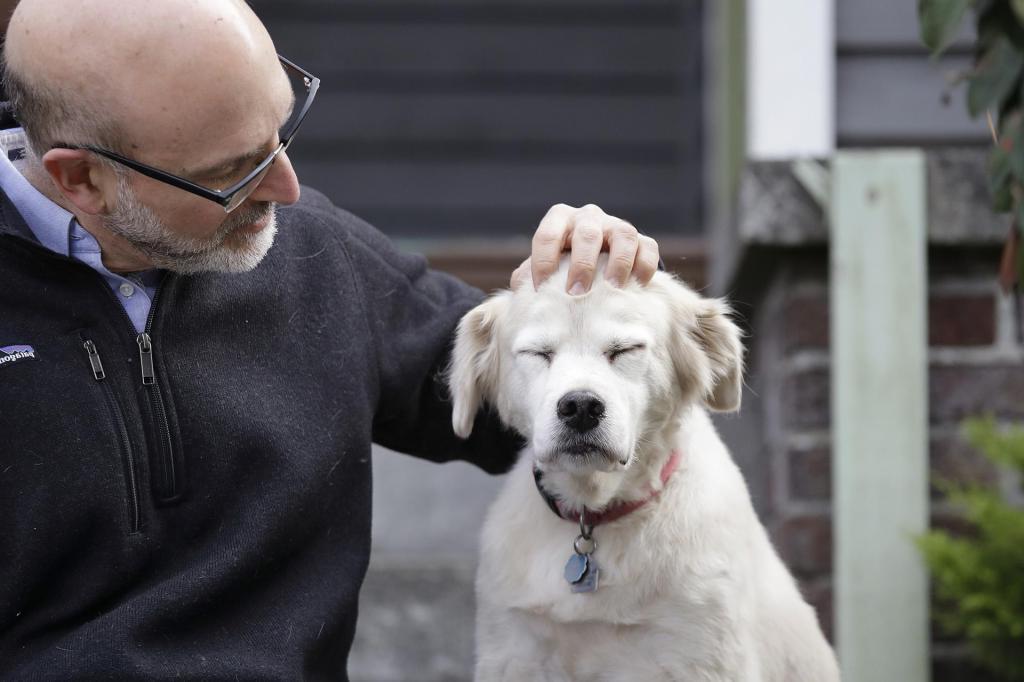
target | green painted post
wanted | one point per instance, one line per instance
(879, 413)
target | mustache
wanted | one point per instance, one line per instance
(246, 215)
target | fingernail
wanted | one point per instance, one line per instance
(577, 288)
(615, 282)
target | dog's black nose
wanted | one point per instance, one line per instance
(580, 410)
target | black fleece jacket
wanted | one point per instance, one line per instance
(194, 502)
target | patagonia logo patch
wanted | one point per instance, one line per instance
(12, 354)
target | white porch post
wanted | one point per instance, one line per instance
(879, 413)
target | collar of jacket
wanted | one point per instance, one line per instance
(11, 222)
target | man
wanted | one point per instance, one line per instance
(187, 412)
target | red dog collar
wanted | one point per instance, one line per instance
(615, 510)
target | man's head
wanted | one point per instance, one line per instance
(191, 87)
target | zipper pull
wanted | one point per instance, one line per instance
(94, 360)
(146, 359)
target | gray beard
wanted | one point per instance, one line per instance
(140, 227)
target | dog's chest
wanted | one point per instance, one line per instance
(650, 651)
(630, 628)
(596, 643)
(640, 583)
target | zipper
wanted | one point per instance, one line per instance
(167, 489)
(94, 361)
(146, 359)
(127, 457)
(169, 486)
(166, 484)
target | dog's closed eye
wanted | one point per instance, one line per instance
(618, 350)
(545, 354)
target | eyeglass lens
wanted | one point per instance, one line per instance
(245, 192)
(301, 90)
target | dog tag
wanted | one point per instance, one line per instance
(589, 581)
(576, 568)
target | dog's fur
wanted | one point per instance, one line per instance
(691, 588)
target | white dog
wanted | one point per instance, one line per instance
(668, 575)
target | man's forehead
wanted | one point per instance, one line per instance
(282, 102)
(186, 135)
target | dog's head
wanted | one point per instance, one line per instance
(587, 379)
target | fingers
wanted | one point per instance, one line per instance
(588, 231)
(623, 244)
(647, 257)
(589, 225)
(548, 242)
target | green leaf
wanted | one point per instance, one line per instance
(1020, 252)
(1003, 165)
(1018, 9)
(1016, 142)
(1000, 180)
(995, 19)
(1011, 143)
(996, 74)
(1003, 445)
(940, 20)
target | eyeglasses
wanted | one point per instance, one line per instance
(231, 197)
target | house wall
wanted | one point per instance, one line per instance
(976, 362)
(452, 119)
(889, 91)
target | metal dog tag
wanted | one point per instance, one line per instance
(590, 579)
(576, 568)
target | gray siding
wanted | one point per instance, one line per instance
(451, 118)
(889, 91)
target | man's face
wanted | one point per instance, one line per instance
(185, 233)
(238, 244)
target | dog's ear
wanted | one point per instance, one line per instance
(473, 372)
(719, 337)
(705, 347)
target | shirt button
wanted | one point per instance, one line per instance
(126, 290)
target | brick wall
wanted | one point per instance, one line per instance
(975, 367)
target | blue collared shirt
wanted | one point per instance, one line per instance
(59, 231)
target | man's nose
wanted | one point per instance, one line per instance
(280, 185)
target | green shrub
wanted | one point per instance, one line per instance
(979, 579)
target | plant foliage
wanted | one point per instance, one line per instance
(994, 86)
(979, 579)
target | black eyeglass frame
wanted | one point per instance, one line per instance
(223, 197)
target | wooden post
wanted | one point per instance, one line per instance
(879, 413)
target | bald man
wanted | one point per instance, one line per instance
(194, 360)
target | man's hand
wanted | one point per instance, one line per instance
(586, 232)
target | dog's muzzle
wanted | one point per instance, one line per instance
(580, 439)
(580, 411)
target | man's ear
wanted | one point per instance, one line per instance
(705, 346)
(473, 372)
(79, 178)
